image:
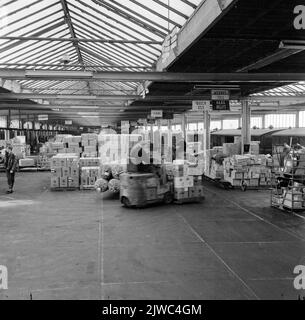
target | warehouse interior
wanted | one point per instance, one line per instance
(208, 94)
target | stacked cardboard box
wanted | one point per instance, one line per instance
(89, 162)
(252, 170)
(89, 175)
(186, 186)
(44, 162)
(72, 145)
(89, 142)
(65, 171)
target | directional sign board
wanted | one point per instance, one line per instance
(157, 114)
(220, 100)
(201, 105)
(220, 94)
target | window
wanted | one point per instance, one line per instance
(2, 121)
(230, 124)
(257, 122)
(192, 126)
(280, 120)
(14, 124)
(215, 125)
(302, 119)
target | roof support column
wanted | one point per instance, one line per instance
(263, 121)
(246, 124)
(297, 119)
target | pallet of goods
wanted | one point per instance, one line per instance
(288, 191)
(249, 170)
(89, 143)
(187, 187)
(65, 172)
(89, 176)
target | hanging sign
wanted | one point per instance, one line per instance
(220, 94)
(168, 115)
(220, 100)
(201, 105)
(43, 117)
(68, 122)
(157, 114)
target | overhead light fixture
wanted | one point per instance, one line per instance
(95, 117)
(220, 87)
(292, 44)
(67, 96)
(58, 74)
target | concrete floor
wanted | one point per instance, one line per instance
(82, 245)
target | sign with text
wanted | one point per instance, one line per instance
(220, 94)
(68, 122)
(221, 105)
(43, 117)
(201, 105)
(157, 114)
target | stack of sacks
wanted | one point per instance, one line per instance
(114, 185)
(89, 142)
(101, 185)
(117, 170)
(89, 176)
(186, 186)
(253, 170)
(65, 171)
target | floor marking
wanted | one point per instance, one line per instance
(218, 257)
(6, 197)
(299, 216)
(133, 283)
(271, 279)
(255, 215)
(254, 242)
(100, 255)
(102, 250)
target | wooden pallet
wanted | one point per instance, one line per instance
(64, 189)
(189, 200)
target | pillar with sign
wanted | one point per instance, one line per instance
(246, 126)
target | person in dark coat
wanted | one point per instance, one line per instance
(10, 164)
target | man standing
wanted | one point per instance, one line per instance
(10, 164)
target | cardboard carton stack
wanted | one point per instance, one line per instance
(65, 171)
(186, 186)
(72, 145)
(254, 171)
(89, 162)
(89, 142)
(44, 162)
(89, 175)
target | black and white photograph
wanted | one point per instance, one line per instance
(152, 151)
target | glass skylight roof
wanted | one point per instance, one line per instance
(130, 34)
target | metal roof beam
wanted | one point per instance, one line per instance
(71, 28)
(122, 76)
(206, 15)
(30, 38)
